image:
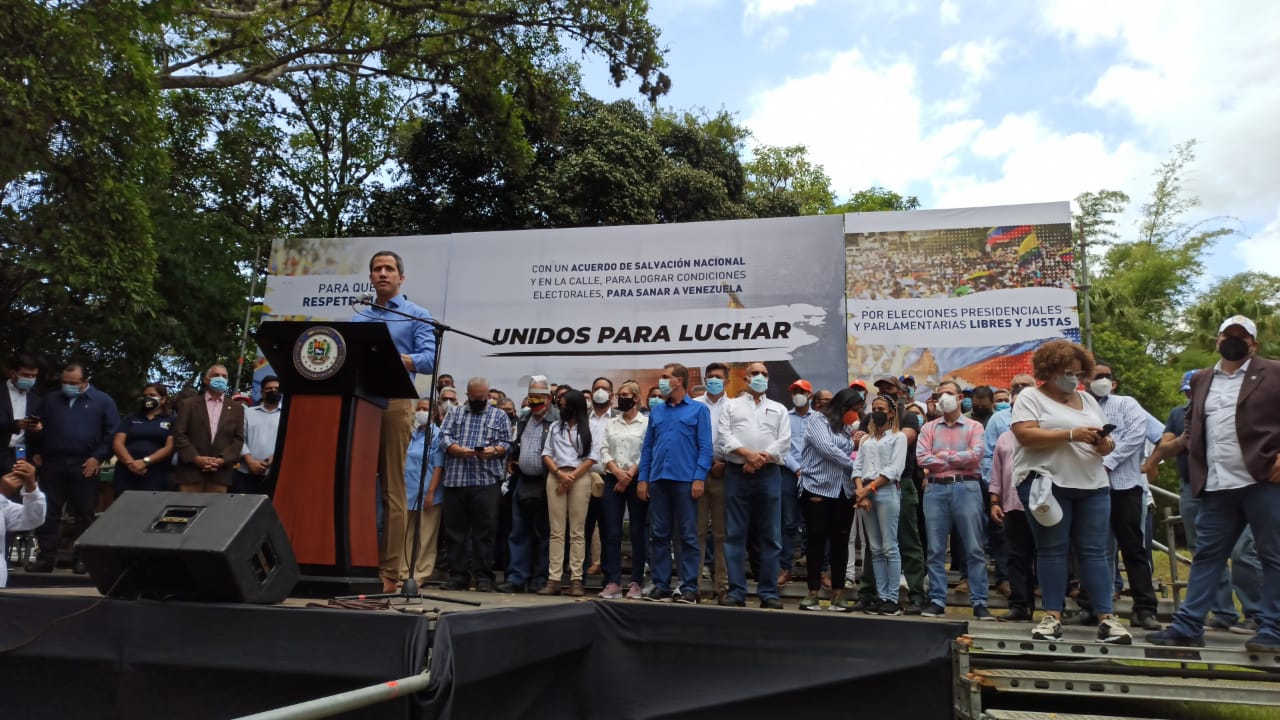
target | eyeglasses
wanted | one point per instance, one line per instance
(1104, 376)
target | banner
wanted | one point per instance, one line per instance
(618, 302)
(963, 295)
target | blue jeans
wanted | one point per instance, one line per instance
(1244, 575)
(673, 514)
(615, 503)
(1086, 521)
(792, 520)
(1223, 517)
(752, 499)
(957, 505)
(882, 537)
(528, 543)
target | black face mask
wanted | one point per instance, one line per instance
(149, 403)
(272, 397)
(625, 404)
(1233, 349)
(477, 406)
(982, 412)
(880, 418)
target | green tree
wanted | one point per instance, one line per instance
(1252, 294)
(783, 182)
(877, 199)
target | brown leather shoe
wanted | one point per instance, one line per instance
(784, 577)
(576, 589)
(962, 586)
(1004, 589)
(551, 588)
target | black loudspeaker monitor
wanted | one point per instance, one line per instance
(190, 546)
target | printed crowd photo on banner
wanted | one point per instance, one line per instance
(964, 295)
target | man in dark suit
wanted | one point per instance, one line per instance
(208, 436)
(20, 411)
(1232, 441)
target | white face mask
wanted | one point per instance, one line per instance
(800, 400)
(600, 397)
(1100, 387)
(948, 404)
(421, 417)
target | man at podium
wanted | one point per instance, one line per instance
(416, 343)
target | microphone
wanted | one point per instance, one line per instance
(364, 299)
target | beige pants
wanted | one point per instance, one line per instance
(428, 539)
(396, 432)
(711, 508)
(570, 507)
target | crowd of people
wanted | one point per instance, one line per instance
(1034, 490)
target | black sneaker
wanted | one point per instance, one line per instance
(870, 607)
(727, 601)
(912, 609)
(934, 610)
(1170, 637)
(657, 594)
(685, 598)
(1083, 617)
(980, 612)
(1016, 614)
(458, 584)
(771, 603)
(889, 607)
(512, 588)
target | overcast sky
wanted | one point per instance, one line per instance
(984, 103)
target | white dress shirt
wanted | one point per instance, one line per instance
(622, 440)
(717, 409)
(1227, 469)
(763, 426)
(16, 517)
(18, 400)
(598, 423)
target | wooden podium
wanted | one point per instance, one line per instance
(337, 378)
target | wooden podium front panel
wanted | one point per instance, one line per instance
(305, 489)
(362, 493)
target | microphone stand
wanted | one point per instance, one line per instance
(409, 590)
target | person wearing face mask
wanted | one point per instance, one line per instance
(429, 505)
(1059, 458)
(1128, 485)
(143, 444)
(982, 410)
(675, 459)
(1001, 422)
(20, 411)
(653, 398)
(261, 428)
(826, 493)
(208, 436)
(950, 450)
(711, 510)
(1232, 442)
(877, 475)
(1000, 396)
(530, 524)
(792, 521)
(1008, 512)
(821, 398)
(754, 436)
(79, 424)
(476, 438)
(620, 454)
(601, 400)
(981, 404)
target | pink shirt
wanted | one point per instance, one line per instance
(214, 404)
(950, 450)
(1002, 473)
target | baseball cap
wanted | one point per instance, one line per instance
(1186, 380)
(859, 383)
(891, 379)
(1243, 322)
(802, 385)
(1044, 506)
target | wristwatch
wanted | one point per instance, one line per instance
(146, 460)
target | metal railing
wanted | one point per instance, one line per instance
(1171, 540)
(343, 702)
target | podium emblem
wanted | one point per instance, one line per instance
(319, 353)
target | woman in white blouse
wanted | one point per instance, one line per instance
(569, 454)
(620, 454)
(882, 456)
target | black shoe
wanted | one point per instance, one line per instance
(980, 612)
(657, 594)
(484, 586)
(1084, 617)
(912, 609)
(686, 598)
(888, 607)
(727, 601)
(1016, 614)
(457, 584)
(1262, 643)
(79, 568)
(512, 588)
(1145, 620)
(870, 606)
(934, 610)
(1172, 638)
(771, 603)
(40, 566)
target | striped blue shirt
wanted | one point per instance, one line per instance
(677, 444)
(826, 466)
(413, 466)
(1124, 464)
(490, 428)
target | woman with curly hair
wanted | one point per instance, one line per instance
(1062, 483)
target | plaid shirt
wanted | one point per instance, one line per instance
(490, 428)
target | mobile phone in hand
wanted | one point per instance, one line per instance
(1106, 430)
(479, 448)
(20, 452)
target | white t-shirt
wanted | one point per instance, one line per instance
(1070, 465)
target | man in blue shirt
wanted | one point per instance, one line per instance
(674, 461)
(78, 428)
(416, 342)
(801, 394)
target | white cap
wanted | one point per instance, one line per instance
(1044, 506)
(1243, 322)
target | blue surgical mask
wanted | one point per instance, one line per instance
(24, 383)
(966, 405)
(664, 388)
(71, 391)
(654, 402)
(920, 419)
(218, 384)
(1002, 405)
(715, 386)
(759, 383)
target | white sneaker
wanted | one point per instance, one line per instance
(1048, 629)
(1113, 632)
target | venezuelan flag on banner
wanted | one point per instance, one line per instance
(1029, 250)
(1067, 256)
(1007, 233)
